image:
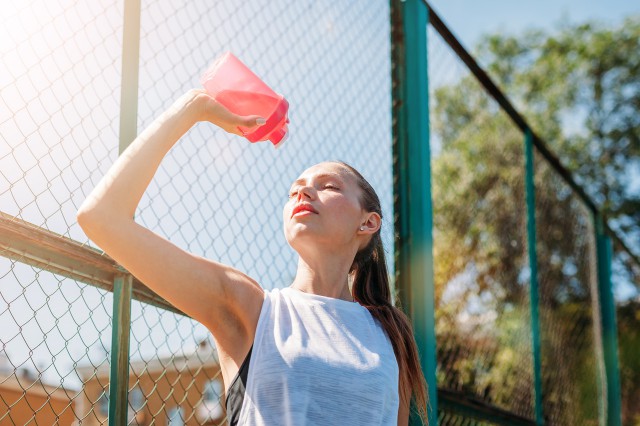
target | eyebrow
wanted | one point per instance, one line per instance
(319, 176)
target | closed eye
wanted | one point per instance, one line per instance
(292, 193)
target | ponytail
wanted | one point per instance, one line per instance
(371, 289)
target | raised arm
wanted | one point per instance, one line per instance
(217, 295)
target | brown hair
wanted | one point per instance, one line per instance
(371, 289)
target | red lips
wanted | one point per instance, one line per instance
(301, 207)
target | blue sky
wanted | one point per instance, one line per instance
(468, 19)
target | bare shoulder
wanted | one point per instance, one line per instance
(243, 297)
(224, 299)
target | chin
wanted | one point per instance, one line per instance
(297, 232)
(300, 235)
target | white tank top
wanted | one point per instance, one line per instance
(317, 360)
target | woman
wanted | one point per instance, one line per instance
(316, 352)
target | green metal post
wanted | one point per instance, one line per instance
(609, 326)
(533, 265)
(122, 286)
(412, 186)
(130, 65)
(119, 377)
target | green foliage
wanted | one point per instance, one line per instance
(629, 347)
(580, 90)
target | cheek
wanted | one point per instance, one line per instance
(286, 212)
(344, 213)
(286, 215)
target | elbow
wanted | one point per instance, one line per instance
(91, 221)
(94, 226)
(86, 220)
(99, 224)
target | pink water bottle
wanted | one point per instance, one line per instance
(242, 92)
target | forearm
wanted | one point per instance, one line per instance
(120, 190)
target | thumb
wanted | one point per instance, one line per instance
(253, 120)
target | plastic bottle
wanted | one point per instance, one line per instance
(238, 89)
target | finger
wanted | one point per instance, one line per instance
(252, 121)
(249, 122)
(221, 114)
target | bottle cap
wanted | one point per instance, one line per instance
(279, 136)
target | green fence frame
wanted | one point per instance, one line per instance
(122, 288)
(613, 410)
(412, 186)
(534, 293)
(412, 195)
(120, 335)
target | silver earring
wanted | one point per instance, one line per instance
(362, 228)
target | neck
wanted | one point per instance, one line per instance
(324, 274)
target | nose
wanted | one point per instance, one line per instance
(303, 191)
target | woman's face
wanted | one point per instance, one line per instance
(332, 192)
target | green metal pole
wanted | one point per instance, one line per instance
(412, 186)
(119, 377)
(609, 326)
(130, 65)
(533, 265)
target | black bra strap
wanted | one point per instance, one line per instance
(235, 395)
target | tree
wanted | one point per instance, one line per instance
(580, 89)
(586, 78)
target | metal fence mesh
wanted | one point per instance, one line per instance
(453, 418)
(571, 361)
(483, 327)
(175, 374)
(215, 194)
(59, 89)
(626, 288)
(59, 93)
(55, 335)
(220, 196)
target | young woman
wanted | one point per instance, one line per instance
(330, 348)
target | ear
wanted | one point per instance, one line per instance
(371, 222)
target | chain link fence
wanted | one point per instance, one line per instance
(483, 327)
(569, 302)
(59, 94)
(220, 197)
(626, 288)
(215, 194)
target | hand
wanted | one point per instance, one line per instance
(208, 109)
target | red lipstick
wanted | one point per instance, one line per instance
(301, 207)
